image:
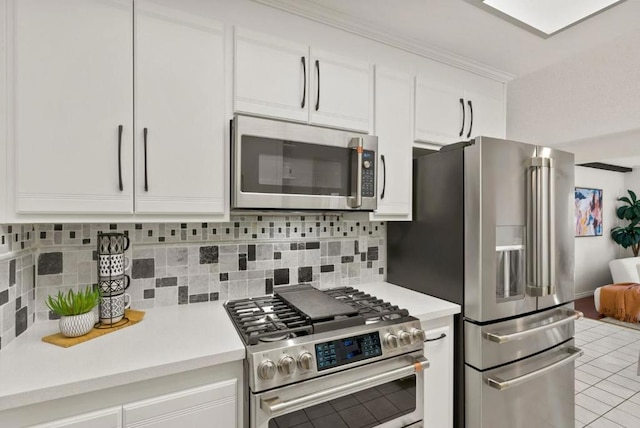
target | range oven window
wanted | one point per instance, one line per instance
(344, 351)
(289, 167)
(367, 408)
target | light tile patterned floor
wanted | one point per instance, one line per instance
(607, 381)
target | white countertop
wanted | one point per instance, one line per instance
(167, 341)
(419, 305)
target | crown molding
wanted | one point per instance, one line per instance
(365, 29)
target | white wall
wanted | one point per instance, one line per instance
(592, 94)
(594, 253)
(632, 180)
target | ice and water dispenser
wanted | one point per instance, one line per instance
(510, 263)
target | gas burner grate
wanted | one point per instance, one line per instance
(369, 307)
(267, 318)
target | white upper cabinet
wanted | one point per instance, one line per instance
(271, 76)
(73, 109)
(485, 102)
(180, 121)
(340, 91)
(454, 105)
(278, 78)
(393, 127)
(439, 115)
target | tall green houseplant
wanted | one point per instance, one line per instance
(628, 236)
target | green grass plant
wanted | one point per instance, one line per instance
(74, 303)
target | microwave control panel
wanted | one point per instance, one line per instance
(368, 174)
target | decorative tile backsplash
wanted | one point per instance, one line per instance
(185, 263)
(17, 281)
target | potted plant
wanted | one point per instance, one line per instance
(75, 310)
(628, 236)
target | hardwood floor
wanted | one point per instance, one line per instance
(588, 308)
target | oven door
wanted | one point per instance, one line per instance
(280, 165)
(383, 394)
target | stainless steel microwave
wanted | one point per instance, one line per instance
(282, 165)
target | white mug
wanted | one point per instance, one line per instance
(113, 264)
(112, 308)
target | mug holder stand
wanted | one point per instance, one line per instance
(124, 320)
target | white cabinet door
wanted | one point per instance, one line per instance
(271, 76)
(4, 190)
(340, 92)
(107, 418)
(72, 71)
(438, 378)
(393, 127)
(439, 112)
(180, 120)
(486, 109)
(206, 406)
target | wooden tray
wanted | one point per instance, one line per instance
(60, 340)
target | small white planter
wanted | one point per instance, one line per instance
(77, 325)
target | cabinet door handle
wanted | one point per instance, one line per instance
(146, 179)
(384, 176)
(463, 117)
(470, 111)
(304, 89)
(120, 128)
(442, 336)
(318, 94)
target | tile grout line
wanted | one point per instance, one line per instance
(607, 378)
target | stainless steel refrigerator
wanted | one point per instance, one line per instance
(492, 231)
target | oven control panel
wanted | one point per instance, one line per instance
(347, 350)
(281, 363)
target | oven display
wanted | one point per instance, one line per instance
(348, 350)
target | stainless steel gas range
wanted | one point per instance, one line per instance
(329, 358)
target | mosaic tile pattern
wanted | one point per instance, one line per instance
(185, 263)
(17, 281)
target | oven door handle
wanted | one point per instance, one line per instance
(498, 338)
(499, 384)
(275, 406)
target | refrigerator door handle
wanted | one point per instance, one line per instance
(500, 384)
(504, 338)
(541, 228)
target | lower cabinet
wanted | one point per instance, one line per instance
(438, 378)
(204, 406)
(106, 418)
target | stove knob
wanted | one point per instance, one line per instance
(266, 370)
(287, 365)
(305, 361)
(405, 338)
(418, 335)
(391, 341)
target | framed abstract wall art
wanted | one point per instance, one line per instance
(588, 211)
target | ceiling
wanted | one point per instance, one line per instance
(463, 29)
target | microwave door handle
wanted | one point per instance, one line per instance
(276, 406)
(357, 143)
